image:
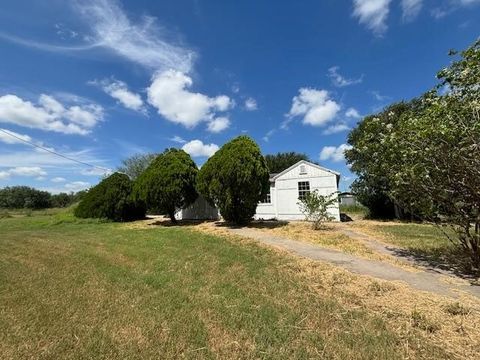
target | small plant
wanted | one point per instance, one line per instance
(420, 321)
(315, 208)
(456, 309)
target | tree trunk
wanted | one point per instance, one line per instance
(171, 214)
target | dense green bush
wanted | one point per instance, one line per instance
(20, 197)
(111, 199)
(235, 179)
(168, 183)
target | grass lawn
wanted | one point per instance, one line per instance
(423, 241)
(86, 289)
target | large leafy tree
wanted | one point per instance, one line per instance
(429, 158)
(135, 165)
(278, 162)
(235, 179)
(370, 159)
(168, 183)
(111, 199)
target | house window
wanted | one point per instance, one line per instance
(267, 199)
(303, 169)
(303, 189)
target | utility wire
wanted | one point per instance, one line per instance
(54, 152)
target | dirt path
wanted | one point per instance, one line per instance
(422, 280)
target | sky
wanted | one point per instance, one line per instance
(101, 80)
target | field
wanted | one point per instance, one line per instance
(78, 289)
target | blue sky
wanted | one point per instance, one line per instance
(102, 80)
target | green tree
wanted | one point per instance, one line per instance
(62, 200)
(315, 208)
(168, 183)
(278, 162)
(135, 165)
(235, 179)
(18, 197)
(111, 199)
(428, 157)
(370, 159)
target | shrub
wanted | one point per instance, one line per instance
(235, 179)
(111, 199)
(315, 208)
(24, 197)
(168, 183)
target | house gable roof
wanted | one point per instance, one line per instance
(306, 163)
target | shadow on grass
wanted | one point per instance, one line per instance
(450, 260)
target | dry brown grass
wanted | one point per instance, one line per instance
(406, 310)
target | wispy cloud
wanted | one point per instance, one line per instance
(411, 9)
(177, 139)
(109, 28)
(339, 80)
(373, 14)
(141, 42)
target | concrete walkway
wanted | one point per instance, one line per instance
(425, 281)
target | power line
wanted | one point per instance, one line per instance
(54, 152)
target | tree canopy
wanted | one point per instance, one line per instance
(168, 183)
(278, 162)
(111, 199)
(235, 179)
(135, 165)
(426, 157)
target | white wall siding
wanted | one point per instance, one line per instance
(285, 192)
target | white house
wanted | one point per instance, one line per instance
(291, 184)
(281, 202)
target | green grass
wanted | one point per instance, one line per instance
(427, 242)
(83, 289)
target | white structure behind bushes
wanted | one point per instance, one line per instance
(285, 190)
(288, 186)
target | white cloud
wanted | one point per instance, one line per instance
(95, 172)
(352, 113)
(50, 114)
(58, 179)
(251, 104)
(77, 186)
(411, 9)
(23, 171)
(269, 134)
(197, 148)
(218, 124)
(339, 80)
(379, 97)
(337, 128)
(373, 14)
(335, 154)
(143, 42)
(315, 106)
(169, 94)
(15, 139)
(178, 139)
(119, 91)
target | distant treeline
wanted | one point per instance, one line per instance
(24, 197)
